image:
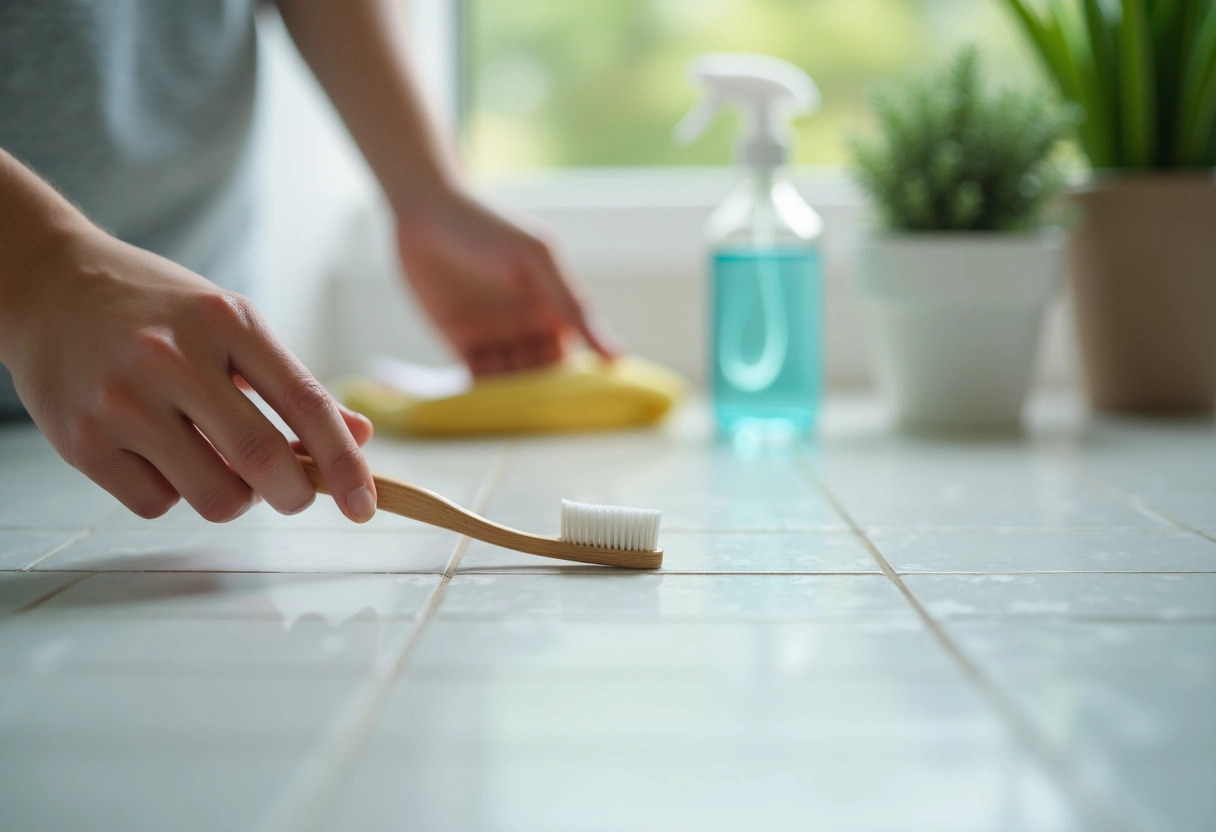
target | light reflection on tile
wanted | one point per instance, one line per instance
(165, 706)
(281, 597)
(50, 644)
(893, 647)
(1133, 596)
(1072, 513)
(123, 785)
(642, 596)
(1038, 552)
(224, 549)
(717, 552)
(707, 784)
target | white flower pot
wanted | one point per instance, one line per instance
(954, 321)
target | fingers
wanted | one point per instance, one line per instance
(190, 463)
(134, 481)
(524, 351)
(284, 383)
(360, 426)
(253, 447)
(557, 289)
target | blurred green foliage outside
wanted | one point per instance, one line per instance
(559, 83)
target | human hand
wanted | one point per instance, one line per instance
(495, 290)
(130, 363)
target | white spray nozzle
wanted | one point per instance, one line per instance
(769, 92)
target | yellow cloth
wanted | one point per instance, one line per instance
(583, 393)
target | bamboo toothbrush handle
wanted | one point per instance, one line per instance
(417, 503)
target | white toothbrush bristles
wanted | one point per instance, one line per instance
(610, 527)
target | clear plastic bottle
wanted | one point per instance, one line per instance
(766, 308)
(766, 294)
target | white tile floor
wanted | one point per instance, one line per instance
(868, 632)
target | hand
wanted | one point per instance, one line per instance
(495, 291)
(130, 363)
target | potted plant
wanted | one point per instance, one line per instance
(955, 281)
(1143, 257)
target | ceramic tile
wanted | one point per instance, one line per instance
(198, 786)
(37, 708)
(20, 589)
(642, 596)
(1131, 596)
(1081, 712)
(1152, 649)
(20, 548)
(900, 471)
(717, 552)
(1155, 788)
(893, 647)
(44, 493)
(44, 643)
(994, 513)
(286, 598)
(1125, 702)
(633, 710)
(1119, 682)
(1198, 511)
(698, 488)
(223, 549)
(846, 787)
(1155, 455)
(1038, 552)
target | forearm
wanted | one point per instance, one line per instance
(34, 219)
(357, 50)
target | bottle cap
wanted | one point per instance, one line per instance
(768, 91)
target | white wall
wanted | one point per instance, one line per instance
(329, 276)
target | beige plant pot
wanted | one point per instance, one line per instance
(1143, 264)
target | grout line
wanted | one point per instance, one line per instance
(1141, 505)
(56, 591)
(301, 802)
(1022, 727)
(71, 541)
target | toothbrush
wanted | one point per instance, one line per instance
(604, 535)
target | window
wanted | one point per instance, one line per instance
(594, 83)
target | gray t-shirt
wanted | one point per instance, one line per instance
(140, 112)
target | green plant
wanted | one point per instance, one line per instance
(952, 158)
(1143, 71)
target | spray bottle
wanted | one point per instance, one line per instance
(766, 364)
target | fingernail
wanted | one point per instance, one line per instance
(361, 504)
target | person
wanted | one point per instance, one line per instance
(125, 207)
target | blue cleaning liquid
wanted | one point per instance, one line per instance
(767, 346)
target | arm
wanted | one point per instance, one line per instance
(127, 362)
(356, 48)
(496, 290)
(34, 220)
